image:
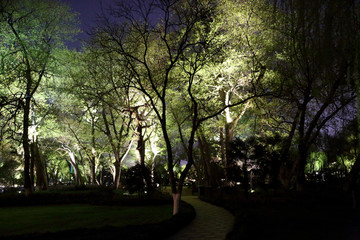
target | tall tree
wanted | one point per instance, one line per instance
(245, 40)
(164, 59)
(99, 84)
(314, 65)
(30, 32)
(353, 15)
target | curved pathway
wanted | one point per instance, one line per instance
(211, 222)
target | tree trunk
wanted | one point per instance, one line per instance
(228, 142)
(32, 168)
(176, 202)
(206, 159)
(92, 160)
(284, 173)
(37, 158)
(77, 173)
(170, 160)
(28, 185)
(300, 172)
(118, 161)
(117, 174)
(141, 153)
(90, 154)
(223, 154)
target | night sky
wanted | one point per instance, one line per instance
(88, 10)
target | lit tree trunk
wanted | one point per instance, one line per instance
(32, 168)
(206, 159)
(117, 165)
(112, 168)
(116, 147)
(176, 202)
(223, 153)
(230, 125)
(28, 185)
(90, 153)
(176, 193)
(37, 158)
(229, 134)
(92, 160)
(141, 155)
(82, 163)
(118, 160)
(73, 163)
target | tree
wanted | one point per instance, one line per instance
(242, 70)
(353, 12)
(164, 60)
(151, 71)
(81, 110)
(142, 115)
(99, 85)
(314, 66)
(31, 31)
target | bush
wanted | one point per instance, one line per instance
(133, 179)
(92, 195)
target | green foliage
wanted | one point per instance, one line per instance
(10, 173)
(316, 162)
(31, 31)
(345, 163)
(133, 179)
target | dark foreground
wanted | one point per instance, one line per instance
(160, 230)
(314, 215)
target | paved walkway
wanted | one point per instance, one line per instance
(211, 222)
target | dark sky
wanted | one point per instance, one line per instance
(88, 10)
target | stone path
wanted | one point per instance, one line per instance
(211, 222)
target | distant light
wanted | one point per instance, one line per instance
(238, 183)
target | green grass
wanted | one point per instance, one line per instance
(53, 218)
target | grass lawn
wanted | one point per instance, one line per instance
(53, 218)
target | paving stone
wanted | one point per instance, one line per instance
(211, 222)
